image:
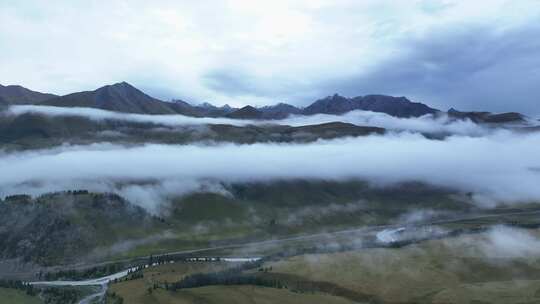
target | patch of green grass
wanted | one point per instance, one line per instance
(248, 294)
(515, 291)
(208, 207)
(14, 296)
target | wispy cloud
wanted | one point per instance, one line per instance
(510, 242)
(99, 115)
(426, 124)
(499, 243)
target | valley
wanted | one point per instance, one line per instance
(269, 151)
(332, 244)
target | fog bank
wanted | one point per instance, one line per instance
(425, 124)
(497, 168)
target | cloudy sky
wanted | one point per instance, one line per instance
(468, 54)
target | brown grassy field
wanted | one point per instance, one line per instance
(234, 295)
(496, 266)
(456, 270)
(136, 291)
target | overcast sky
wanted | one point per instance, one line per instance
(468, 54)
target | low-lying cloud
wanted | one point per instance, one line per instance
(421, 215)
(99, 115)
(425, 124)
(499, 243)
(496, 168)
(502, 241)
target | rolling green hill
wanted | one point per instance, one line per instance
(70, 226)
(65, 227)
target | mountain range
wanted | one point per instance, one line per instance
(125, 98)
(15, 94)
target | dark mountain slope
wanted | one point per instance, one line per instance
(55, 227)
(209, 110)
(119, 97)
(184, 108)
(330, 105)
(279, 111)
(487, 117)
(247, 112)
(67, 227)
(34, 131)
(15, 94)
(123, 97)
(395, 106)
(280, 133)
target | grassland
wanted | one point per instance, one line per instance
(455, 270)
(34, 131)
(14, 296)
(515, 291)
(464, 269)
(234, 295)
(261, 211)
(136, 291)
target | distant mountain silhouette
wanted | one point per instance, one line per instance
(247, 112)
(119, 97)
(395, 106)
(15, 94)
(209, 110)
(125, 98)
(487, 117)
(279, 111)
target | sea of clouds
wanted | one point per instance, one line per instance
(500, 167)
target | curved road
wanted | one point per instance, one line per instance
(386, 235)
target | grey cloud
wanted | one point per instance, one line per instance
(469, 55)
(468, 67)
(231, 82)
(434, 7)
(238, 83)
